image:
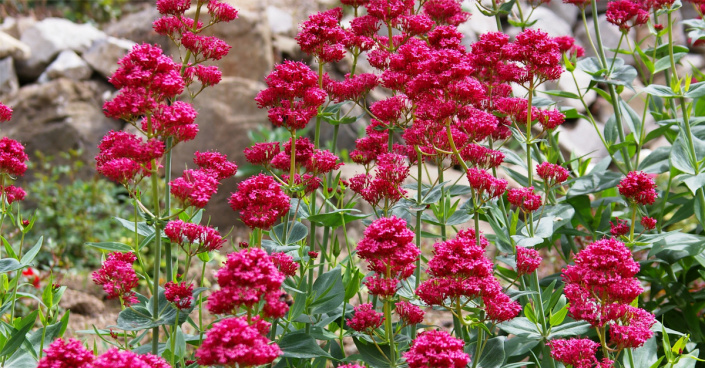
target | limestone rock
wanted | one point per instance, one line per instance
(49, 37)
(567, 12)
(280, 21)
(68, 65)
(10, 46)
(104, 54)
(16, 26)
(8, 78)
(226, 112)
(60, 115)
(138, 28)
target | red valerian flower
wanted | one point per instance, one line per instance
(221, 12)
(638, 187)
(386, 185)
(388, 246)
(216, 164)
(649, 223)
(246, 278)
(262, 153)
(538, 54)
(601, 284)
(389, 10)
(66, 354)
(481, 156)
(528, 260)
(322, 36)
(292, 95)
(410, 314)
(633, 329)
(621, 228)
(579, 3)
(12, 157)
(567, 45)
(207, 75)
(117, 277)
(444, 12)
(524, 198)
(365, 318)
(433, 349)
(350, 365)
(553, 174)
(579, 353)
(123, 156)
(194, 187)
(174, 26)
(5, 113)
(176, 120)
(174, 7)
(115, 358)
(205, 47)
(179, 294)
(621, 12)
(351, 88)
(285, 263)
(260, 201)
(234, 342)
(186, 234)
(485, 185)
(13, 193)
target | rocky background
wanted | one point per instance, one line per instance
(54, 73)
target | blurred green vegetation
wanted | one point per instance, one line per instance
(96, 11)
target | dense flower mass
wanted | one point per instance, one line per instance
(524, 198)
(260, 201)
(638, 187)
(246, 278)
(528, 260)
(194, 187)
(234, 342)
(12, 157)
(180, 294)
(649, 223)
(5, 113)
(293, 95)
(115, 358)
(322, 36)
(551, 173)
(365, 318)
(433, 349)
(388, 246)
(66, 354)
(619, 228)
(601, 284)
(385, 188)
(409, 313)
(580, 353)
(621, 12)
(215, 163)
(632, 329)
(125, 157)
(117, 277)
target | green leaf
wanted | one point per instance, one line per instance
(520, 326)
(644, 356)
(570, 329)
(630, 117)
(696, 90)
(9, 264)
(295, 232)
(300, 345)
(336, 218)
(18, 336)
(680, 156)
(559, 317)
(660, 91)
(665, 62)
(142, 227)
(559, 93)
(32, 253)
(657, 162)
(493, 354)
(135, 318)
(694, 182)
(370, 354)
(111, 246)
(594, 182)
(328, 292)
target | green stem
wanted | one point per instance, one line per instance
(200, 307)
(173, 339)
(167, 205)
(478, 347)
(157, 261)
(390, 332)
(497, 19)
(633, 224)
(613, 94)
(417, 228)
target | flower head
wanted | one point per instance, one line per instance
(322, 36)
(187, 234)
(410, 314)
(215, 163)
(528, 260)
(621, 12)
(12, 157)
(5, 113)
(66, 354)
(13, 193)
(580, 353)
(365, 318)
(649, 223)
(194, 187)
(638, 187)
(632, 329)
(524, 198)
(233, 341)
(285, 263)
(115, 358)
(179, 294)
(117, 277)
(433, 349)
(388, 247)
(221, 12)
(260, 201)
(551, 173)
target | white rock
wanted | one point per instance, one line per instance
(68, 65)
(566, 83)
(550, 22)
(8, 78)
(10, 46)
(49, 37)
(16, 26)
(104, 54)
(280, 22)
(568, 12)
(582, 139)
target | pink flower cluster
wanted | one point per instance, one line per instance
(621, 12)
(260, 201)
(409, 314)
(186, 235)
(600, 288)
(117, 277)
(72, 354)
(552, 174)
(196, 187)
(365, 319)
(386, 185)
(293, 95)
(13, 161)
(639, 188)
(179, 293)
(238, 342)
(579, 353)
(388, 247)
(433, 349)
(124, 157)
(322, 36)
(528, 260)
(458, 269)
(524, 198)
(248, 277)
